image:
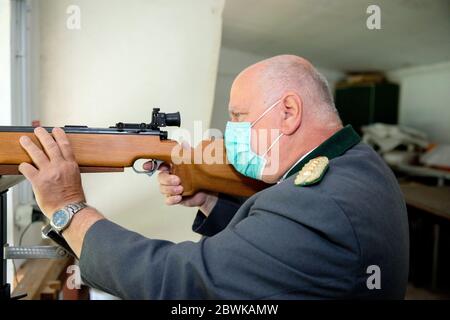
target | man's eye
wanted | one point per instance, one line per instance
(238, 115)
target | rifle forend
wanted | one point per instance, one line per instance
(115, 148)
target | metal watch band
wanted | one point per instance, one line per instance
(75, 207)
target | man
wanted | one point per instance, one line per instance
(333, 225)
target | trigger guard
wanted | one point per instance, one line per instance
(155, 165)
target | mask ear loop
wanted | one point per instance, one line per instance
(265, 112)
(265, 153)
(273, 143)
(262, 115)
(276, 140)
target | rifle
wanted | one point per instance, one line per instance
(117, 147)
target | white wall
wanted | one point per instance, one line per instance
(128, 57)
(425, 99)
(5, 63)
(5, 104)
(232, 62)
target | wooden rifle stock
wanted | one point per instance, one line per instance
(114, 152)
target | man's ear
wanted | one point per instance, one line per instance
(292, 113)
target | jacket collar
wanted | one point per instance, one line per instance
(333, 147)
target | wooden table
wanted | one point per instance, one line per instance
(434, 201)
(35, 276)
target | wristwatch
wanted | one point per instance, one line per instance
(62, 218)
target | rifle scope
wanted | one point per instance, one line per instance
(161, 119)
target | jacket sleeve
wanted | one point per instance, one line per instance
(219, 217)
(246, 260)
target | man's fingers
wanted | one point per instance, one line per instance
(164, 167)
(37, 155)
(167, 179)
(171, 190)
(28, 170)
(173, 200)
(63, 143)
(149, 165)
(48, 143)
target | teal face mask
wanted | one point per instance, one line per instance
(239, 148)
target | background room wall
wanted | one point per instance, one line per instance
(425, 99)
(128, 57)
(335, 37)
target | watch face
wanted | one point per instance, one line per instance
(60, 218)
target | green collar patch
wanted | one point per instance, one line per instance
(333, 147)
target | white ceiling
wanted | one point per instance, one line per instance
(333, 33)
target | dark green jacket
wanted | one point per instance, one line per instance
(286, 242)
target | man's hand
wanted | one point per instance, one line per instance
(55, 178)
(170, 186)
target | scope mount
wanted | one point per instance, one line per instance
(159, 119)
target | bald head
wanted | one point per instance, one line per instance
(270, 79)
